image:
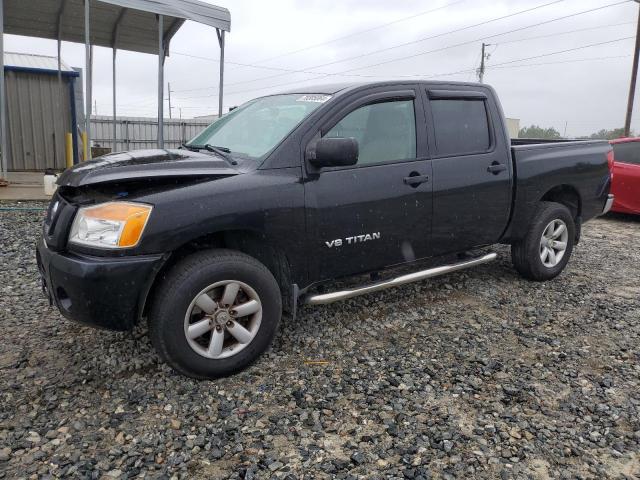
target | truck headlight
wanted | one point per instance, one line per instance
(110, 225)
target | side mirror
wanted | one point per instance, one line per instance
(335, 152)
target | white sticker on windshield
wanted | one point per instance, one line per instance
(314, 98)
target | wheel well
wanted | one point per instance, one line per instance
(567, 196)
(249, 242)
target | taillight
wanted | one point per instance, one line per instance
(610, 160)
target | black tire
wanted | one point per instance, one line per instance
(525, 254)
(180, 286)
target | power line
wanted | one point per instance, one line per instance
(289, 70)
(473, 70)
(343, 72)
(461, 71)
(546, 22)
(457, 30)
(392, 47)
(142, 102)
(509, 64)
(280, 69)
(564, 51)
(567, 32)
(548, 54)
(361, 32)
(522, 59)
(255, 63)
(577, 60)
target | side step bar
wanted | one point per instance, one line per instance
(325, 298)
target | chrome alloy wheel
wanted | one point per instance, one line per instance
(223, 319)
(553, 243)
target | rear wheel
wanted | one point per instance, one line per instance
(546, 248)
(214, 313)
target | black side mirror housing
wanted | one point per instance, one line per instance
(335, 152)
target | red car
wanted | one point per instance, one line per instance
(626, 175)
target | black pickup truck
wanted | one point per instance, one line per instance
(273, 202)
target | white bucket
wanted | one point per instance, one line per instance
(50, 185)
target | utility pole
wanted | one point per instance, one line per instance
(484, 57)
(634, 74)
(95, 107)
(169, 90)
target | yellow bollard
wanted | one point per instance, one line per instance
(85, 147)
(68, 145)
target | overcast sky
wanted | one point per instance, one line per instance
(584, 89)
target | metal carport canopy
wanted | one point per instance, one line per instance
(135, 20)
(145, 26)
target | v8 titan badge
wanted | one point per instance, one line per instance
(338, 242)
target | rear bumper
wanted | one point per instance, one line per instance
(608, 204)
(105, 292)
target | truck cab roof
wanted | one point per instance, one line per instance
(343, 87)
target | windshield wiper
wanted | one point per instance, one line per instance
(216, 147)
(221, 151)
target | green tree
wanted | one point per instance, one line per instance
(605, 134)
(534, 131)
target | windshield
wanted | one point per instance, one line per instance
(254, 128)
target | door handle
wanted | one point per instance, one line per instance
(496, 168)
(415, 180)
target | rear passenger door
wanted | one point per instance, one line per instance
(471, 169)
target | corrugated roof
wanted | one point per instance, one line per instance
(125, 24)
(38, 62)
(201, 12)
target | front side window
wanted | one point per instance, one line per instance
(627, 152)
(385, 131)
(461, 126)
(256, 127)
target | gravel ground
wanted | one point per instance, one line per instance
(478, 374)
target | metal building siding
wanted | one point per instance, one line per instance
(38, 117)
(136, 133)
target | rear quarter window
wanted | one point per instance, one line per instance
(627, 152)
(461, 126)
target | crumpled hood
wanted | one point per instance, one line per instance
(140, 164)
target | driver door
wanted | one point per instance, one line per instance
(376, 213)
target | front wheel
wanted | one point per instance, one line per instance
(214, 313)
(545, 250)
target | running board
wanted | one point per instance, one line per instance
(323, 299)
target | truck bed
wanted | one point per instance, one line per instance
(578, 167)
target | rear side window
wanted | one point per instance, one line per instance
(385, 131)
(461, 126)
(628, 152)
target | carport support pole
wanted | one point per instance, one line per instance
(115, 137)
(160, 82)
(59, 66)
(220, 34)
(88, 67)
(3, 108)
